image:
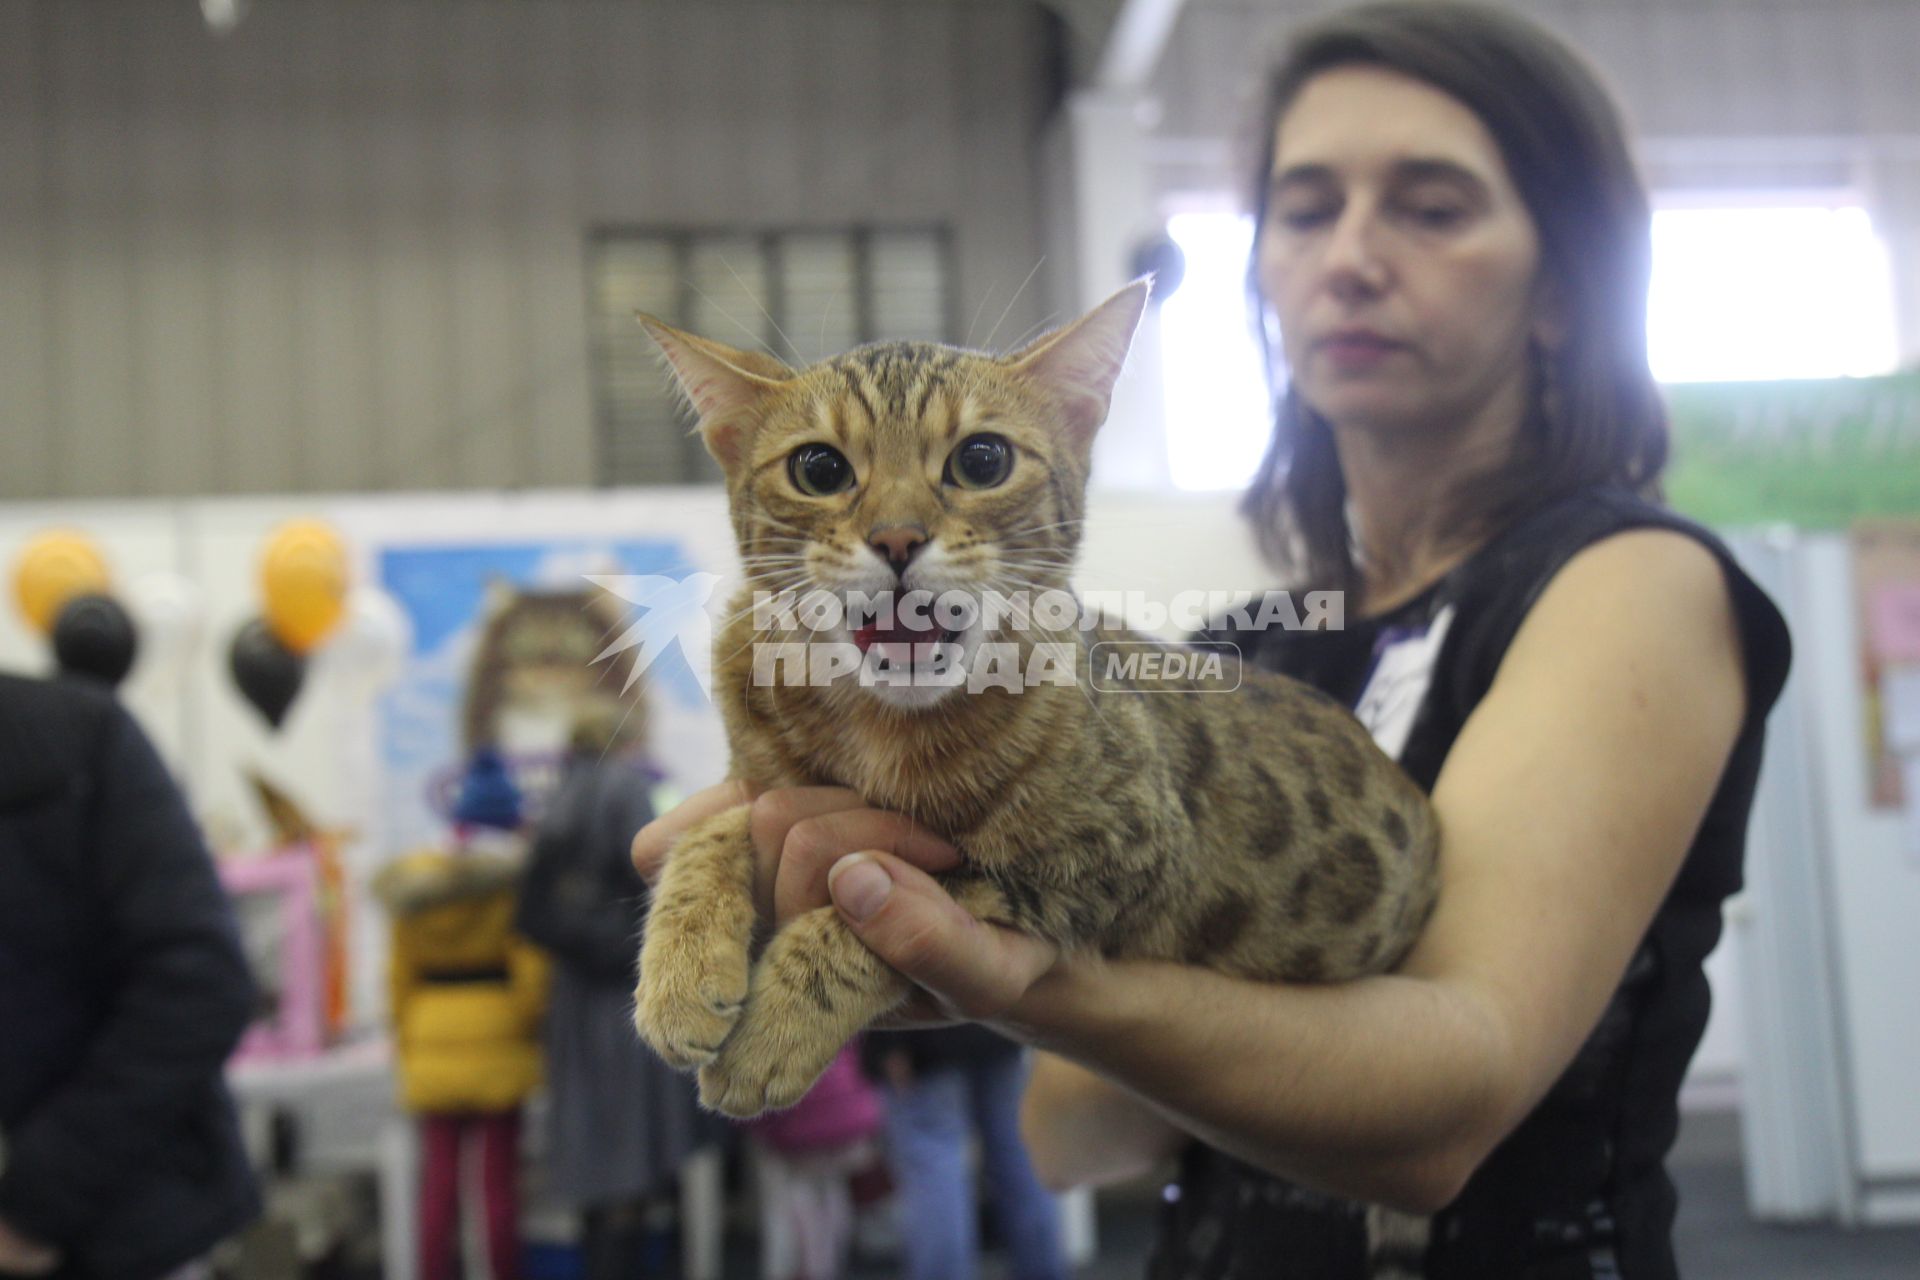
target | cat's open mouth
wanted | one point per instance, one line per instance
(900, 642)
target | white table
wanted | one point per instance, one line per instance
(342, 1102)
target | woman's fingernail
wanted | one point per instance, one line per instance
(859, 885)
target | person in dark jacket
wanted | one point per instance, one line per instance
(621, 1122)
(123, 988)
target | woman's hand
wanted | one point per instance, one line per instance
(22, 1255)
(819, 846)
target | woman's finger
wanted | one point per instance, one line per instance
(651, 843)
(814, 844)
(775, 814)
(909, 921)
(922, 1011)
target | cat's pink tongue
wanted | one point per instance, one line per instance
(899, 633)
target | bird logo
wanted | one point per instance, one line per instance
(673, 611)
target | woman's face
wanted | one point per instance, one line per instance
(1399, 259)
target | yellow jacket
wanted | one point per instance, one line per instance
(467, 992)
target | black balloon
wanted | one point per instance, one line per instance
(93, 638)
(267, 673)
(1162, 258)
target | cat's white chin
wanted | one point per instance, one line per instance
(911, 677)
(914, 697)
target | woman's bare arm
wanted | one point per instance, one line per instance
(1083, 1130)
(1566, 808)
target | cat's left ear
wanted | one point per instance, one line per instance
(1079, 364)
(724, 384)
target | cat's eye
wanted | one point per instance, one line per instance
(979, 462)
(820, 470)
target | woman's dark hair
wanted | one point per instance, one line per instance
(1566, 150)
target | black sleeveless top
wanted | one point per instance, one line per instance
(1579, 1190)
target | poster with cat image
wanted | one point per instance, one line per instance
(514, 643)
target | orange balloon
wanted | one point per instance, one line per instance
(53, 568)
(303, 583)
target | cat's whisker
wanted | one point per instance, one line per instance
(779, 712)
(1033, 565)
(774, 635)
(745, 610)
(722, 312)
(768, 557)
(769, 589)
(1038, 550)
(778, 541)
(798, 358)
(768, 518)
(758, 339)
(777, 588)
(1075, 522)
(775, 582)
(1068, 638)
(721, 627)
(619, 729)
(1031, 581)
(1045, 323)
(1039, 568)
(797, 565)
(975, 322)
(1010, 301)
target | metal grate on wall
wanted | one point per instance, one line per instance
(799, 295)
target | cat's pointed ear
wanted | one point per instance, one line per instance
(723, 384)
(1079, 364)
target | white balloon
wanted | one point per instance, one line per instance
(372, 641)
(169, 612)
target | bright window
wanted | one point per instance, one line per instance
(1740, 293)
(1216, 391)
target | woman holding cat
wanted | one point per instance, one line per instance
(1454, 249)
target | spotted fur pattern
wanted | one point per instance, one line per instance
(1259, 832)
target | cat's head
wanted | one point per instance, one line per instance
(909, 467)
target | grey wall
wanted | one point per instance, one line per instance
(341, 248)
(1749, 93)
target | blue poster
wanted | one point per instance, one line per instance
(513, 644)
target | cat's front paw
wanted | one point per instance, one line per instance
(693, 959)
(690, 995)
(771, 1060)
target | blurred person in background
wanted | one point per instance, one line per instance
(466, 995)
(945, 1088)
(123, 988)
(805, 1158)
(620, 1122)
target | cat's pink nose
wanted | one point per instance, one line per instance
(898, 543)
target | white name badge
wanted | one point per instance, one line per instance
(1402, 672)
